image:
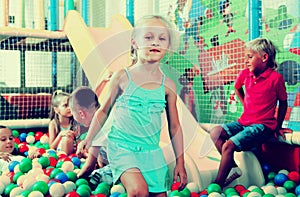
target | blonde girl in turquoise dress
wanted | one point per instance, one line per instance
(140, 94)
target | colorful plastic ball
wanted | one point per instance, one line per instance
(289, 185)
(185, 192)
(76, 161)
(172, 194)
(102, 188)
(193, 187)
(35, 194)
(280, 178)
(175, 186)
(22, 137)
(57, 189)
(290, 194)
(38, 135)
(25, 193)
(268, 189)
(281, 190)
(214, 194)
(294, 176)
(54, 172)
(83, 190)
(53, 161)
(213, 187)
(8, 188)
(44, 139)
(114, 194)
(23, 147)
(229, 190)
(258, 190)
(43, 177)
(30, 139)
(119, 188)
(254, 194)
(123, 195)
(25, 165)
(81, 181)
(67, 166)
(69, 186)
(283, 171)
(12, 165)
(40, 186)
(59, 164)
(15, 133)
(62, 177)
(297, 190)
(17, 140)
(11, 175)
(72, 194)
(16, 191)
(29, 182)
(17, 176)
(72, 176)
(271, 175)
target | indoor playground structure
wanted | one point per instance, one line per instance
(46, 45)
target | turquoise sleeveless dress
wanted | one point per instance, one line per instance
(133, 141)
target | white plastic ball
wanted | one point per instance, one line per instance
(21, 179)
(69, 186)
(254, 194)
(281, 190)
(283, 171)
(36, 194)
(30, 139)
(57, 190)
(250, 188)
(67, 166)
(268, 189)
(193, 187)
(16, 191)
(280, 195)
(117, 188)
(36, 171)
(42, 177)
(17, 168)
(214, 194)
(76, 170)
(44, 139)
(28, 182)
(5, 180)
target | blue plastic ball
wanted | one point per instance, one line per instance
(62, 177)
(297, 190)
(22, 137)
(12, 165)
(76, 161)
(280, 178)
(115, 194)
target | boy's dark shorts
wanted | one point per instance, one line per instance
(247, 137)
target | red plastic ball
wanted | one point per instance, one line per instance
(203, 192)
(175, 186)
(17, 140)
(23, 147)
(48, 171)
(38, 135)
(53, 161)
(239, 188)
(11, 176)
(72, 194)
(294, 176)
(65, 159)
(61, 156)
(194, 194)
(41, 151)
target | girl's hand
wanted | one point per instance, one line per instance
(68, 133)
(5, 156)
(180, 172)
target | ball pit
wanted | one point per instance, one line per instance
(55, 174)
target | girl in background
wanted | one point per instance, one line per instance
(62, 136)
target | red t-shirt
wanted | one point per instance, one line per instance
(261, 96)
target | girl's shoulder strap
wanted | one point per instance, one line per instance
(128, 74)
(163, 79)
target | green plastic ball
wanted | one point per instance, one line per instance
(8, 188)
(258, 190)
(54, 172)
(44, 161)
(229, 190)
(185, 192)
(123, 195)
(81, 181)
(214, 187)
(17, 175)
(59, 164)
(102, 189)
(40, 186)
(289, 185)
(72, 176)
(271, 175)
(30, 133)
(174, 193)
(25, 165)
(15, 133)
(268, 195)
(290, 194)
(83, 191)
(25, 193)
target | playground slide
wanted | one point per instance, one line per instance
(105, 50)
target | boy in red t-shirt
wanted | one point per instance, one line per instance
(264, 87)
